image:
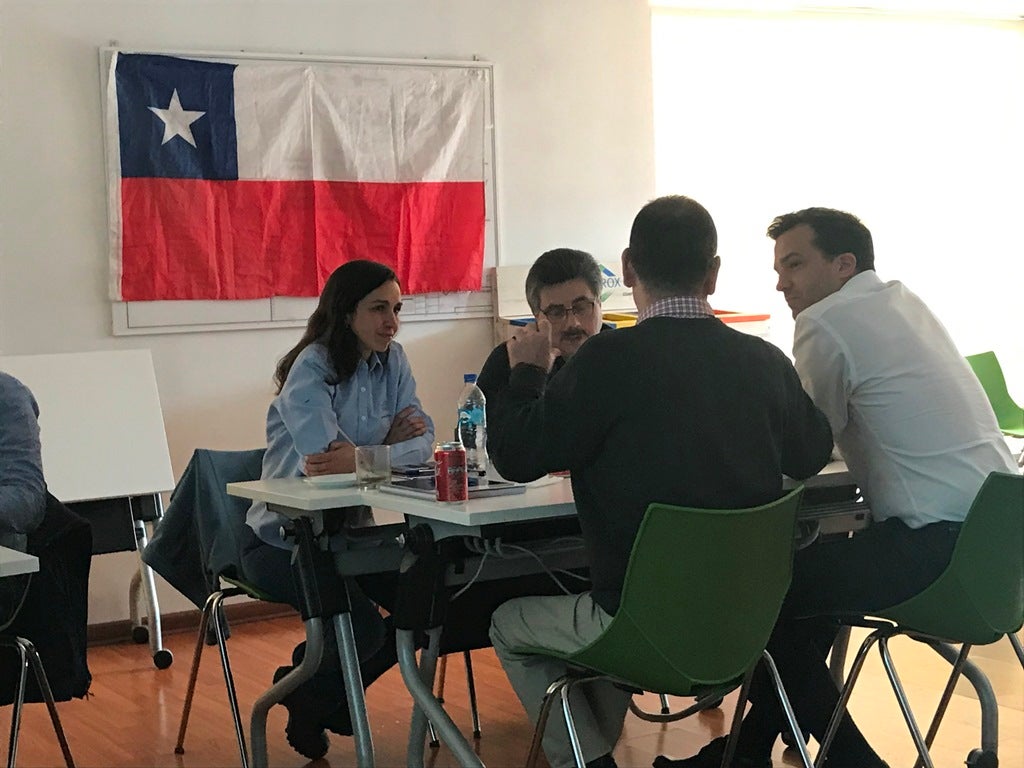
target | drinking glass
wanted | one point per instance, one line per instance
(373, 465)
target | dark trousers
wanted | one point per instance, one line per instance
(876, 569)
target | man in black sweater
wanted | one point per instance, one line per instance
(679, 409)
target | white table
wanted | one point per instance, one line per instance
(15, 563)
(545, 499)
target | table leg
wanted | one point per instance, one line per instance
(306, 669)
(423, 696)
(418, 724)
(346, 642)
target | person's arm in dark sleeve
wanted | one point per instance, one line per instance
(807, 442)
(548, 425)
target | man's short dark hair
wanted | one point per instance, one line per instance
(835, 232)
(560, 266)
(672, 245)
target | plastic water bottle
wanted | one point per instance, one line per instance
(472, 428)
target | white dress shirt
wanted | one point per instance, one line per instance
(907, 413)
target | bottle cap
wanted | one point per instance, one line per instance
(469, 378)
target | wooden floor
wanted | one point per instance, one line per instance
(131, 718)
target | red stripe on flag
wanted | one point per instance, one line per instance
(430, 233)
(197, 239)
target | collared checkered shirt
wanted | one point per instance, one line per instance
(678, 306)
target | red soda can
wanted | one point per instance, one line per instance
(450, 477)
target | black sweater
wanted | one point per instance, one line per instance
(680, 411)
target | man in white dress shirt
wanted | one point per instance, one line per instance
(918, 435)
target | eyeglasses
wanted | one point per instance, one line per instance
(580, 308)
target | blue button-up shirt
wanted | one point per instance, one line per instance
(311, 412)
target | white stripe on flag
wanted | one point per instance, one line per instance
(359, 122)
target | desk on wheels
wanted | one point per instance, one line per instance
(105, 454)
(380, 543)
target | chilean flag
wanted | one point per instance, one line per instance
(257, 179)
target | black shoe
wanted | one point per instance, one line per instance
(304, 732)
(604, 761)
(710, 756)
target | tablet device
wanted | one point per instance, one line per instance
(423, 487)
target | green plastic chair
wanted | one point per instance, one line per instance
(1009, 415)
(975, 601)
(702, 593)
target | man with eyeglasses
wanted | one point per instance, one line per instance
(662, 411)
(564, 286)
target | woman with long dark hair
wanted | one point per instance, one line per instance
(346, 383)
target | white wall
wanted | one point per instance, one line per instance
(574, 163)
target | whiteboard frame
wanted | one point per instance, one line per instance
(134, 318)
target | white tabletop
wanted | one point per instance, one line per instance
(15, 563)
(545, 498)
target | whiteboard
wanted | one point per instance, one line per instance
(149, 317)
(101, 425)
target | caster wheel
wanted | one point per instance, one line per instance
(787, 739)
(979, 758)
(163, 658)
(140, 635)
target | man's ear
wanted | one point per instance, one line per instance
(628, 273)
(711, 280)
(847, 265)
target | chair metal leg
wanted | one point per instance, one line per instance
(229, 681)
(707, 701)
(947, 694)
(542, 721)
(193, 675)
(901, 697)
(844, 698)
(570, 724)
(442, 668)
(211, 610)
(983, 691)
(471, 688)
(419, 723)
(737, 717)
(665, 709)
(1017, 647)
(19, 701)
(28, 656)
(51, 706)
(787, 708)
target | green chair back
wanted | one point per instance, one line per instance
(980, 595)
(1009, 415)
(702, 592)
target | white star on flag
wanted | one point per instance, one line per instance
(177, 120)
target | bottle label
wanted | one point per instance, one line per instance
(471, 416)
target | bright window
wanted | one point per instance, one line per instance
(915, 124)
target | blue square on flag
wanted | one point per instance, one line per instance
(176, 118)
